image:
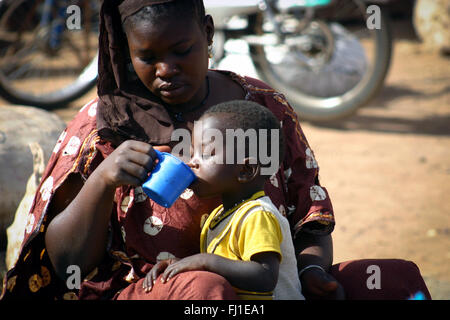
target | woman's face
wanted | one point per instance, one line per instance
(170, 56)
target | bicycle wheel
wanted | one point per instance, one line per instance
(43, 63)
(331, 65)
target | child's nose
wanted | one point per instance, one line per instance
(193, 164)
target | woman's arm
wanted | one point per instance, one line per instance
(313, 250)
(311, 212)
(260, 274)
(77, 235)
(317, 251)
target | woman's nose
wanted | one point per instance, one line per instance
(166, 69)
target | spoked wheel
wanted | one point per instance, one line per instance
(45, 59)
(329, 63)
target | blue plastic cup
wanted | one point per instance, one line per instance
(168, 180)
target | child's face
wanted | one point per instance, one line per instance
(214, 177)
(170, 56)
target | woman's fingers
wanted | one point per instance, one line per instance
(132, 173)
(139, 152)
(136, 163)
(142, 159)
(144, 155)
(139, 146)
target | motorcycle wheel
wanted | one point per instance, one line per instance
(34, 73)
(324, 94)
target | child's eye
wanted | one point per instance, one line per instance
(208, 154)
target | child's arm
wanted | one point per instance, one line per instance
(259, 246)
(260, 274)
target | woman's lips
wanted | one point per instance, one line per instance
(170, 90)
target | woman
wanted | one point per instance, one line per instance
(90, 214)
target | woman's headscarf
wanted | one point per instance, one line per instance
(126, 108)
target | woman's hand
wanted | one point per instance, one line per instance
(317, 284)
(83, 208)
(129, 164)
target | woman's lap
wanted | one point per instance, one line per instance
(365, 279)
(379, 279)
(193, 285)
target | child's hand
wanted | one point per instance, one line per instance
(153, 274)
(196, 262)
(129, 164)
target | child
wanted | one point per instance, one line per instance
(246, 239)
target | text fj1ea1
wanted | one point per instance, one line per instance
(233, 310)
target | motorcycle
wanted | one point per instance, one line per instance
(46, 59)
(320, 53)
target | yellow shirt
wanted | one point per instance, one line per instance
(241, 232)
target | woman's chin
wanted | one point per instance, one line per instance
(176, 97)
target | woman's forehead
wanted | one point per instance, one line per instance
(170, 30)
(130, 7)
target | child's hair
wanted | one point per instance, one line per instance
(176, 8)
(245, 115)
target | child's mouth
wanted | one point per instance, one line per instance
(194, 184)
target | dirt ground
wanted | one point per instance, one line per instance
(387, 168)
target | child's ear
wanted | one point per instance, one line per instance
(250, 169)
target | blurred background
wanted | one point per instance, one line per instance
(386, 165)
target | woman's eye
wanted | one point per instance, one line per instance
(147, 59)
(183, 51)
